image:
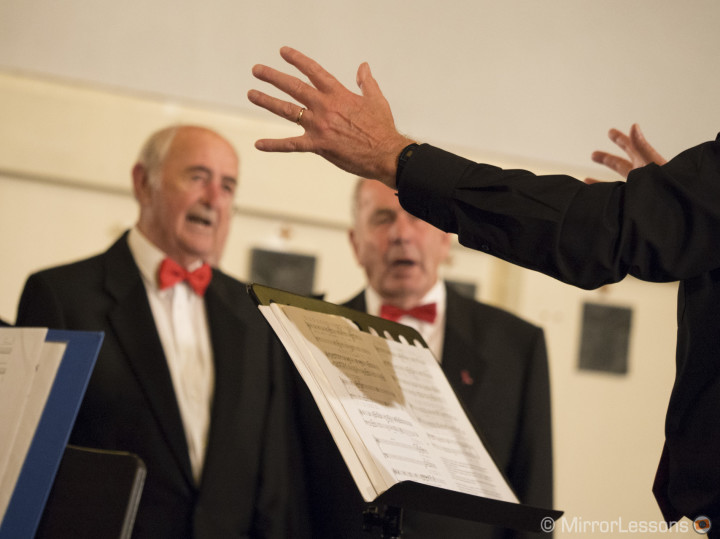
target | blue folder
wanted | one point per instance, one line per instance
(53, 432)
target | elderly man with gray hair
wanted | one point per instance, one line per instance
(188, 377)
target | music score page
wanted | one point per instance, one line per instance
(388, 406)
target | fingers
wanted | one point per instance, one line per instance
(321, 79)
(291, 144)
(354, 132)
(622, 140)
(284, 109)
(294, 87)
(639, 152)
(643, 147)
(648, 153)
(637, 135)
(614, 162)
(310, 95)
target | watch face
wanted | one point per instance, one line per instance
(405, 155)
(408, 151)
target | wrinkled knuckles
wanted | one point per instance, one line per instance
(297, 88)
(289, 111)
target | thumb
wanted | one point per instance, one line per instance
(366, 82)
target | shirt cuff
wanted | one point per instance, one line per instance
(427, 185)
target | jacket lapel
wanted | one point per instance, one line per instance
(227, 337)
(134, 325)
(357, 303)
(461, 361)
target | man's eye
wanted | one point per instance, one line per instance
(382, 218)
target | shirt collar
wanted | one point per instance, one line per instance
(148, 257)
(436, 295)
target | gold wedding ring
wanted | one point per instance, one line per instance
(299, 116)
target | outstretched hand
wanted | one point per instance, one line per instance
(354, 132)
(638, 150)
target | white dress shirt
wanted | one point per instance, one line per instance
(181, 322)
(432, 333)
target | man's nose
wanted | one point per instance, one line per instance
(402, 229)
(211, 195)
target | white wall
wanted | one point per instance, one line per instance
(518, 77)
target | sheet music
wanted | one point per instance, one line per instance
(449, 431)
(394, 401)
(365, 472)
(28, 366)
(19, 356)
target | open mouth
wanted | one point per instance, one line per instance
(403, 262)
(199, 220)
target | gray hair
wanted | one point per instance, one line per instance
(355, 204)
(153, 153)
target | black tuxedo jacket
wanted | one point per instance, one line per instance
(497, 365)
(663, 224)
(130, 403)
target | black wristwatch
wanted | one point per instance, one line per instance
(403, 158)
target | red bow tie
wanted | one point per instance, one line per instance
(426, 313)
(171, 273)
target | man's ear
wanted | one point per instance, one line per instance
(353, 242)
(445, 245)
(141, 183)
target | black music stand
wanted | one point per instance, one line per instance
(386, 510)
(95, 494)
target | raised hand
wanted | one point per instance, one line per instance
(639, 153)
(354, 132)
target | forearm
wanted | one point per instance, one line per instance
(659, 226)
(499, 212)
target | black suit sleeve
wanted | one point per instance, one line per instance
(660, 225)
